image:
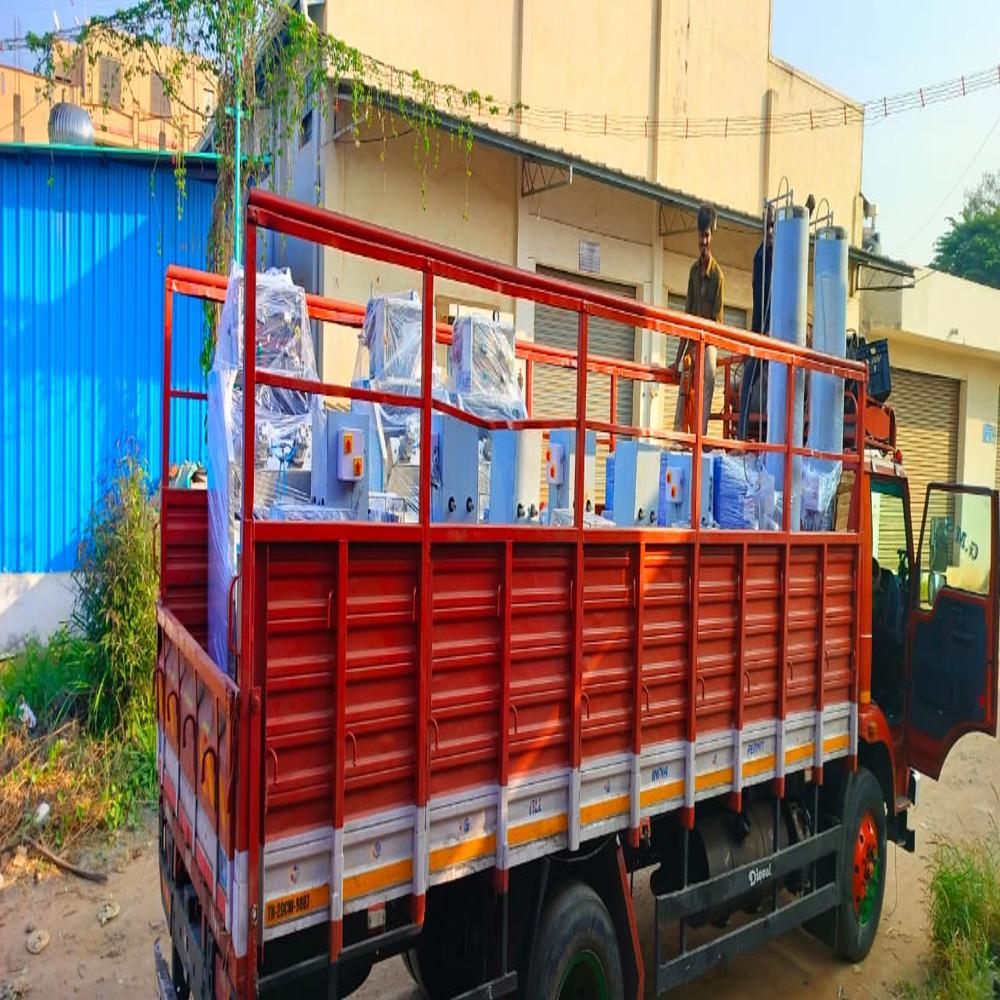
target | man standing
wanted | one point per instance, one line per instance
(752, 385)
(705, 293)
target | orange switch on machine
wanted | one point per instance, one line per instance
(358, 466)
(348, 444)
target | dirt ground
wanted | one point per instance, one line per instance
(86, 959)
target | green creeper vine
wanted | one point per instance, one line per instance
(278, 62)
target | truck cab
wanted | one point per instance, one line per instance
(932, 633)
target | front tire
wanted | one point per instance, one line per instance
(862, 866)
(576, 953)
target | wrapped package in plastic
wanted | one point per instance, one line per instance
(389, 359)
(282, 433)
(562, 517)
(743, 492)
(820, 480)
(223, 528)
(484, 369)
(387, 508)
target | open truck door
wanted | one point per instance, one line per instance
(952, 649)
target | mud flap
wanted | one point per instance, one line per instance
(608, 877)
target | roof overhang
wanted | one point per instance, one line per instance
(574, 166)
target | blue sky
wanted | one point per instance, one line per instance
(870, 49)
(917, 165)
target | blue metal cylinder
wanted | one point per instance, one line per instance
(826, 392)
(788, 323)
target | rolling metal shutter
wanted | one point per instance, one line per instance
(554, 389)
(926, 433)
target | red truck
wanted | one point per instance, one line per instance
(459, 743)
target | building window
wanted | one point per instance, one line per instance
(306, 129)
(109, 85)
(159, 101)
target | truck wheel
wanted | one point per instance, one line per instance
(575, 956)
(862, 866)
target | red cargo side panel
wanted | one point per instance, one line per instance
(464, 722)
(383, 661)
(541, 656)
(299, 683)
(666, 579)
(763, 627)
(718, 637)
(609, 649)
(184, 583)
(803, 625)
(841, 603)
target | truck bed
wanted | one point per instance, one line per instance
(668, 715)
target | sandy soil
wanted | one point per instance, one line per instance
(87, 960)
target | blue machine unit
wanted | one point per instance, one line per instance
(674, 510)
(635, 485)
(609, 486)
(560, 469)
(340, 462)
(455, 472)
(514, 480)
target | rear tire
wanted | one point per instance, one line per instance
(862, 865)
(576, 955)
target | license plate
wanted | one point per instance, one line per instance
(295, 905)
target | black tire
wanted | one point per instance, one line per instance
(859, 913)
(351, 977)
(181, 987)
(576, 949)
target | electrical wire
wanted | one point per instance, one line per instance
(625, 126)
(961, 177)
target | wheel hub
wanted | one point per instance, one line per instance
(866, 868)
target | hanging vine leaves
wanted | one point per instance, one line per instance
(270, 59)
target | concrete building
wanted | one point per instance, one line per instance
(582, 181)
(128, 110)
(945, 362)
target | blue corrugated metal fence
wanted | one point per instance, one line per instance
(85, 239)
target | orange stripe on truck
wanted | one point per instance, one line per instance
(523, 833)
(378, 878)
(468, 850)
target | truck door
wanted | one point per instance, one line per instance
(953, 624)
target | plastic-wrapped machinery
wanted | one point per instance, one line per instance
(282, 435)
(390, 360)
(743, 492)
(483, 369)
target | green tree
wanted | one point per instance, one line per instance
(970, 248)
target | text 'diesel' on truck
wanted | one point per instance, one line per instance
(460, 657)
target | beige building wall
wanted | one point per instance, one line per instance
(634, 61)
(947, 326)
(134, 122)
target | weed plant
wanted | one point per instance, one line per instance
(91, 755)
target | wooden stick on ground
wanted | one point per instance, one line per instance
(63, 863)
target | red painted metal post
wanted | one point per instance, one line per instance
(168, 330)
(422, 756)
(614, 410)
(639, 602)
(340, 720)
(529, 369)
(579, 480)
(698, 389)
